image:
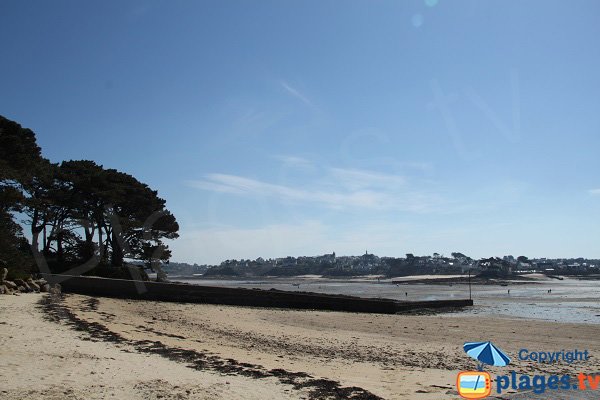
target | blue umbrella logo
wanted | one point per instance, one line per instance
(486, 353)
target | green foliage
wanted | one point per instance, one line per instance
(127, 214)
(19, 151)
(76, 211)
(15, 253)
(19, 157)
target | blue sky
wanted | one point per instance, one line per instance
(277, 128)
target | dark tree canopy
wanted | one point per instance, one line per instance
(78, 211)
(20, 157)
(19, 151)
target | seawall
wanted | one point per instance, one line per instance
(185, 293)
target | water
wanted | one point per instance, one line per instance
(571, 300)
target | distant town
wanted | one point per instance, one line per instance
(370, 264)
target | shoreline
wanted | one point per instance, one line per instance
(402, 280)
(567, 300)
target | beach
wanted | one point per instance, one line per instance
(533, 296)
(78, 347)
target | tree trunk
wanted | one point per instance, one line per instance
(35, 231)
(46, 241)
(88, 250)
(117, 251)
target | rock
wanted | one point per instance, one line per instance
(3, 274)
(21, 289)
(33, 286)
(55, 289)
(41, 282)
(45, 288)
(21, 283)
(10, 285)
(3, 289)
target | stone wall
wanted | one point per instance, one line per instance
(177, 292)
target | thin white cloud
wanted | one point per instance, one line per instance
(295, 161)
(295, 93)
(334, 199)
(594, 192)
(337, 188)
(359, 179)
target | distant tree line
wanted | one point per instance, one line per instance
(79, 214)
(458, 264)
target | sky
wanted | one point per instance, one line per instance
(276, 128)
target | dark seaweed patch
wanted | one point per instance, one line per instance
(56, 311)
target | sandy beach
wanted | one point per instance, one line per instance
(82, 347)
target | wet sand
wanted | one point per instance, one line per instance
(138, 348)
(569, 300)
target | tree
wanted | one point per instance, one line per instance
(15, 253)
(77, 211)
(458, 255)
(88, 199)
(20, 159)
(19, 152)
(128, 218)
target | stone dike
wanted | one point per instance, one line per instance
(185, 293)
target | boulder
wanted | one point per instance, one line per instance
(3, 274)
(41, 282)
(5, 290)
(45, 288)
(10, 285)
(21, 289)
(55, 289)
(21, 283)
(33, 286)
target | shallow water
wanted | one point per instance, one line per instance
(570, 300)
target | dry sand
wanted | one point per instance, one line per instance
(245, 353)
(40, 359)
